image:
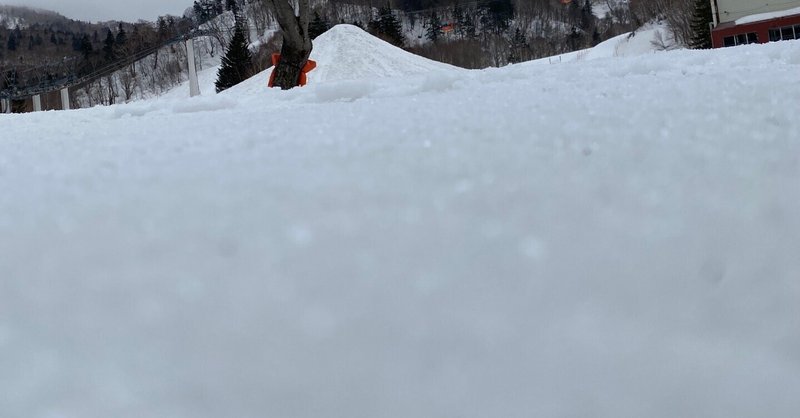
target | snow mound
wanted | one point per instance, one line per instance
(350, 62)
(347, 52)
(648, 39)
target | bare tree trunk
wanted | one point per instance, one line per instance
(296, 42)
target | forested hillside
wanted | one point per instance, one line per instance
(40, 47)
(37, 46)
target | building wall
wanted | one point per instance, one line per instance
(757, 32)
(730, 10)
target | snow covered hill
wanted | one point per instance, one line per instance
(605, 238)
(344, 53)
(350, 53)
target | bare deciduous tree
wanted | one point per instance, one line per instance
(127, 80)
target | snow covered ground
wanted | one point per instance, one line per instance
(606, 238)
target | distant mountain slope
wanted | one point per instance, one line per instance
(23, 16)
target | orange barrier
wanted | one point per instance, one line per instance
(310, 65)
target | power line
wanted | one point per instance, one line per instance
(72, 81)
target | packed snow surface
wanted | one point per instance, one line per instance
(607, 238)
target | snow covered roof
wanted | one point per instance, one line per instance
(768, 16)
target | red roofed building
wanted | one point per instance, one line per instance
(738, 22)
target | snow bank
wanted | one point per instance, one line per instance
(641, 42)
(615, 238)
(649, 39)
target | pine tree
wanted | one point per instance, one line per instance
(434, 31)
(519, 48)
(458, 17)
(232, 6)
(574, 39)
(587, 16)
(466, 25)
(496, 15)
(108, 47)
(388, 27)
(85, 46)
(122, 36)
(12, 43)
(317, 26)
(701, 33)
(201, 12)
(595, 36)
(237, 63)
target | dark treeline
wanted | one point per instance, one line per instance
(482, 33)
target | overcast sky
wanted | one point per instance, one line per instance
(103, 10)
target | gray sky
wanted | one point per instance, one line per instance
(102, 10)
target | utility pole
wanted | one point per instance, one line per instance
(194, 84)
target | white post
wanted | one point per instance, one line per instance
(5, 106)
(65, 98)
(194, 85)
(37, 103)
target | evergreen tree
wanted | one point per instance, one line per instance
(201, 12)
(237, 64)
(519, 48)
(108, 47)
(434, 31)
(458, 17)
(317, 26)
(232, 6)
(701, 32)
(85, 46)
(122, 36)
(466, 25)
(595, 36)
(575, 39)
(587, 16)
(388, 27)
(12, 43)
(163, 28)
(496, 15)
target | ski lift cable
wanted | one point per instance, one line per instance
(67, 82)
